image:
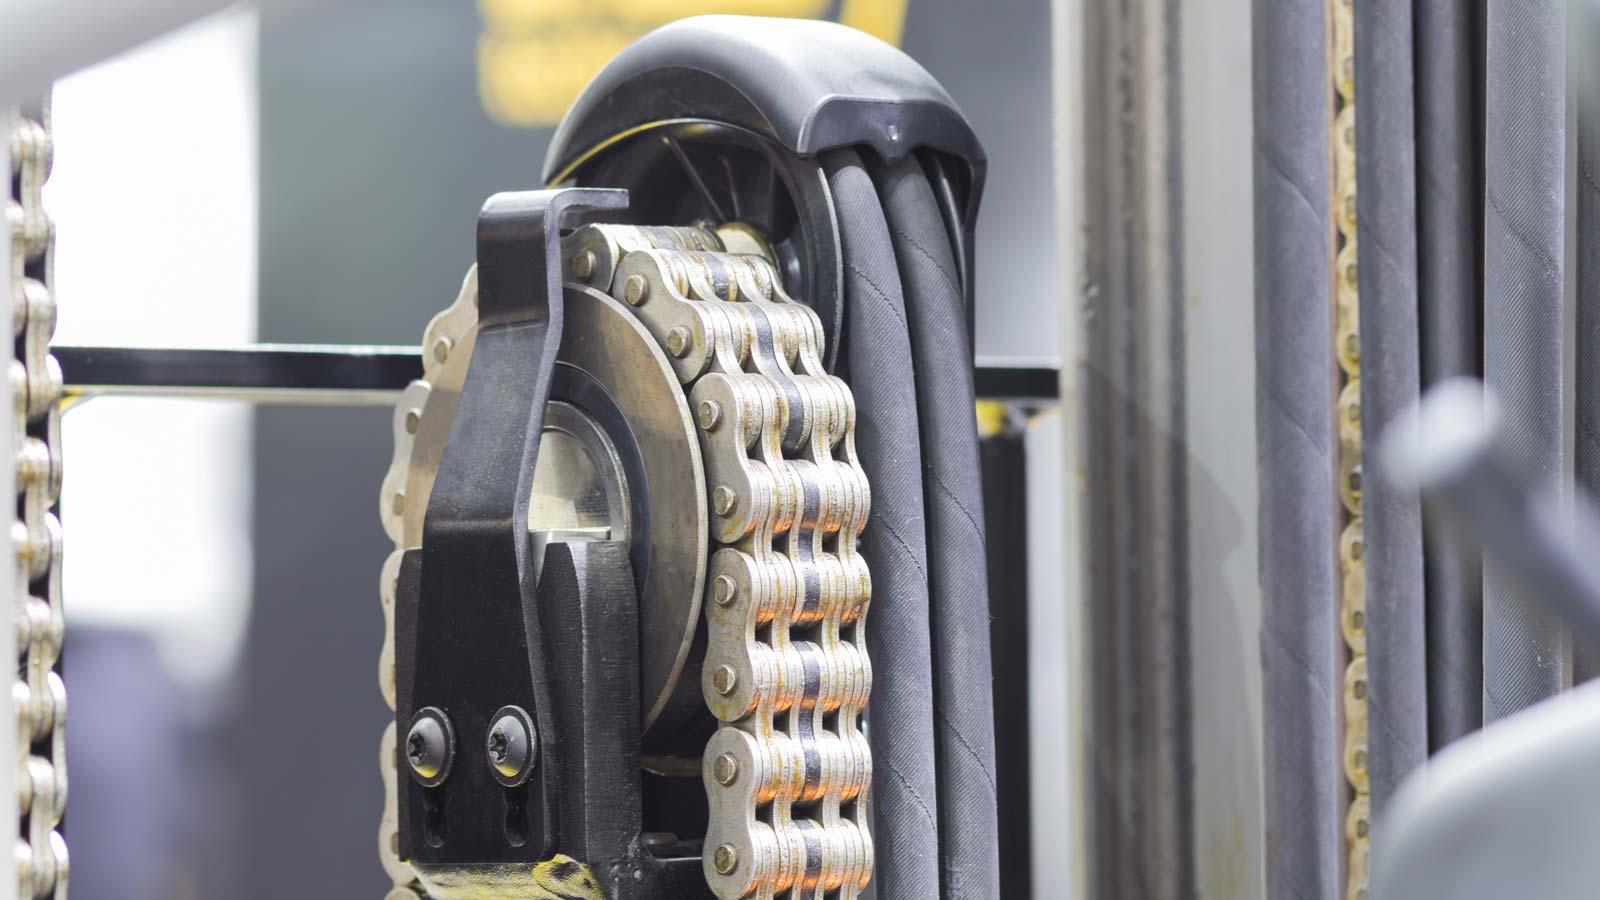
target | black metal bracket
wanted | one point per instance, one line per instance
(469, 637)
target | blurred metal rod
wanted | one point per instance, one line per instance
(1453, 450)
(42, 40)
(352, 375)
(261, 373)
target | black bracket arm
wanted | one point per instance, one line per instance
(467, 627)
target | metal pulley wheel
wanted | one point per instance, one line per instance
(701, 429)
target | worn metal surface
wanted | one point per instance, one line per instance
(1140, 824)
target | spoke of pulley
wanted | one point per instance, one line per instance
(695, 178)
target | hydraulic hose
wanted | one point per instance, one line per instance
(1525, 150)
(962, 668)
(1449, 228)
(1297, 446)
(1386, 221)
(901, 711)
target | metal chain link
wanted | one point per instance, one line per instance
(38, 696)
(1347, 336)
(786, 671)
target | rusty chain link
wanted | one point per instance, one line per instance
(39, 697)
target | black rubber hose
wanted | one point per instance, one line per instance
(1386, 222)
(1449, 227)
(1295, 457)
(1525, 161)
(900, 711)
(953, 494)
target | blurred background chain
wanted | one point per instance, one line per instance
(38, 696)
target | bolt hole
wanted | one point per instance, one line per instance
(433, 828)
(516, 816)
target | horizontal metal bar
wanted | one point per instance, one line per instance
(263, 373)
(351, 375)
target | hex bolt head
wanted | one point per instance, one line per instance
(723, 499)
(725, 769)
(723, 590)
(724, 680)
(678, 342)
(636, 290)
(583, 264)
(725, 859)
(430, 746)
(511, 746)
(710, 413)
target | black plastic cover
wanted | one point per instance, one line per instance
(808, 85)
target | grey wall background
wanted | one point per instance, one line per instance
(375, 155)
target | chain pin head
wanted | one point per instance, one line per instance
(723, 590)
(725, 769)
(635, 290)
(724, 680)
(583, 264)
(710, 412)
(678, 342)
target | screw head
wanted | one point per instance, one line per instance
(430, 746)
(442, 348)
(511, 745)
(398, 504)
(710, 412)
(678, 342)
(725, 859)
(724, 680)
(723, 590)
(723, 499)
(413, 420)
(636, 290)
(725, 769)
(583, 264)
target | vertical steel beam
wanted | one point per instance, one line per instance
(1136, 602)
